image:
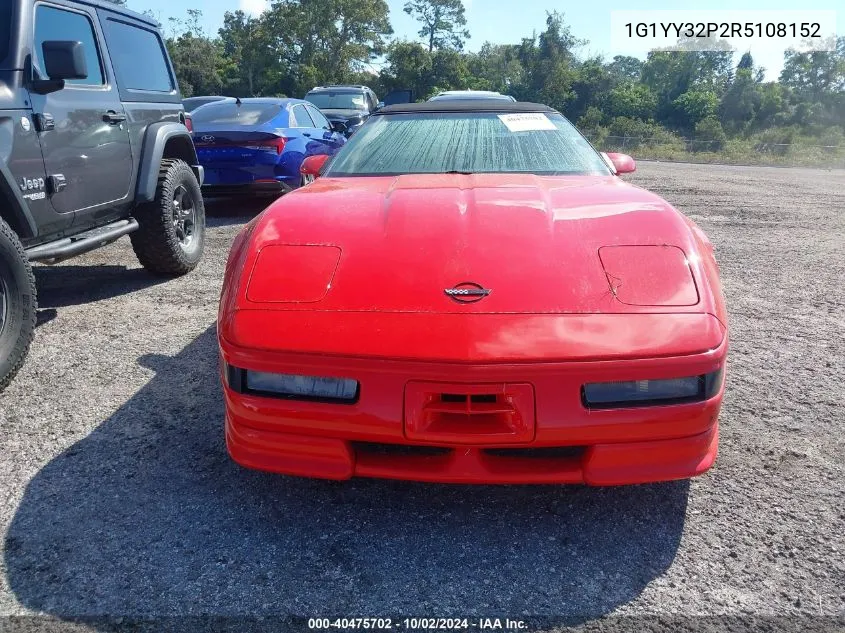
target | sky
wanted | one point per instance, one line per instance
(507, 21)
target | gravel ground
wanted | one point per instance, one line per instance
(119, 499)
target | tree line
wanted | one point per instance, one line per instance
(708, 95)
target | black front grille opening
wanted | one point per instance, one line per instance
(461, 398)
(546, 452)
(399, 450)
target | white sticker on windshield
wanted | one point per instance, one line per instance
(527, 122)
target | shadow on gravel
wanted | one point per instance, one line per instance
(43, 317)
(220, 212)
(62, 286)
(148, 516)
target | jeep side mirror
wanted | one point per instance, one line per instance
(340, 127)
(64, 60)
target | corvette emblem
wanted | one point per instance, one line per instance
(207, 139)
(467, 292)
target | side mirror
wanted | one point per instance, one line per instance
(623, 163)
(313, 165)
(339, 127)
(64, 60)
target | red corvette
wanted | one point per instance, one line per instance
(469, 293)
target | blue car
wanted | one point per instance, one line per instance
(257, 145)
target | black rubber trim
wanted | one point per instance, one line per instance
(122, 11)
(542, 452)
(152, 153)
(400, 450)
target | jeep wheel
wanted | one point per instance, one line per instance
(17, 304)
(171, 235)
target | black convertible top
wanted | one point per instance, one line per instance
(466, 105)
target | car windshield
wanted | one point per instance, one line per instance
(542, 143)
(338, 100)
(230, 113)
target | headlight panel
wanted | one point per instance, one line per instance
(649, 393)
(293, 387)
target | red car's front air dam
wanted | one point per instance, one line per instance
(599, 465)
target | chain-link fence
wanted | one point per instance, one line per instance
(671, 148)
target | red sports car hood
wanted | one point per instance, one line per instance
(573, 244)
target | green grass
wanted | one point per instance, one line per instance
(736, 152)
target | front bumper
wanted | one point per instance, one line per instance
(568, 443)
(598, 465)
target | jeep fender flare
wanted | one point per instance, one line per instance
(13, 208)
(164, 140)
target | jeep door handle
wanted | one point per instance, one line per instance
(308, 134)
(113, 117)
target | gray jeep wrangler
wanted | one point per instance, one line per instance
(93, 146)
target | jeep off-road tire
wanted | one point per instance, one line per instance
(171, 235)
(17, 304)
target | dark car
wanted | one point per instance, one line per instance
(471, 95)
(346, 107)
(257, 145)
(93, 146)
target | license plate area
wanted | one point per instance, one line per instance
(470, 414)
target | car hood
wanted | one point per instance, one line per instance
(576, 244)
